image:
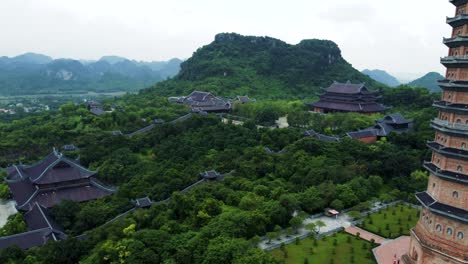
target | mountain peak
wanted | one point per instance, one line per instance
(33, 58)
(428, 81)
(382, 77)
(112, 59)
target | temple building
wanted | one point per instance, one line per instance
(42, 229)
(51, 180)
(348, 97)
(395, 123)
(441, 234)
(204, 102)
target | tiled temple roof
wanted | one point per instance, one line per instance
(347, 88)
(437, 207)
(361, 134)
(31, 239)
(25, 182)
(52, 169)
(42, 229)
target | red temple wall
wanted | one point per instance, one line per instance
(428, 223)
(443, 191)
(457, 74)
(451, 141)
(368, 139)
(459, 51)
(460, 10)
(461, 30)
(450, 164)
(454, 96)
(453, 117)
(425, 256)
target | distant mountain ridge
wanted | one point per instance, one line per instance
(262, 67)
(32, 73)
(382, 77)
(429, 81)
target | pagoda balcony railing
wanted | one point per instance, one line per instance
(450, 106)
(450, 125)
(458, 20)
(456, 41)
(455, 152)
(454, 58)
(458, 2)
(452, 84)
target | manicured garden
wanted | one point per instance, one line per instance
(339, 248)
(391, 222)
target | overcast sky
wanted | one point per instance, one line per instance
(400, 36)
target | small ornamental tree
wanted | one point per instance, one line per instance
(296, 223)
(320, 224)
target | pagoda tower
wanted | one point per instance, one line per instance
(441, 234)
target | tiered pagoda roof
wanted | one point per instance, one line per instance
(348, 97)
(51, 180)
(439, 208)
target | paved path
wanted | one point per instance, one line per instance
(343, 221)
(386, 252)
(366, 235)
(331, 224)
(7, 208)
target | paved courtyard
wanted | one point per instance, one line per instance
(331, 224)
(386, 252)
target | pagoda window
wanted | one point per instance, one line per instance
(459, 168)
(449, 231)
(460, 235)
(433, 185)
(455, 194)
(458, 121)
(463, 145)
(439, 228)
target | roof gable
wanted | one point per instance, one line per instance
(62, 169)
(347, 88)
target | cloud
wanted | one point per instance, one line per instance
(398, 35)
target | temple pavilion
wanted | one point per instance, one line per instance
(52, 180)
(348, 97)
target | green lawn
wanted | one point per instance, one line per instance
(326, 252)
(391, 222)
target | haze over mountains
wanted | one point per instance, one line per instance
(32, 73)
(428, 81)
(382, 77)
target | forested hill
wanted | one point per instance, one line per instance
(428, 81)
(262, 67)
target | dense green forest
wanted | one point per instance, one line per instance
(215, 222)
(219, 222)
